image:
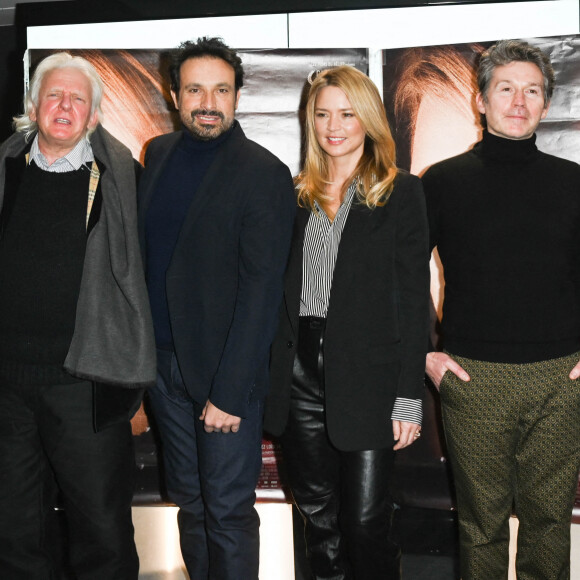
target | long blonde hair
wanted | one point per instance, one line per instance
(376, 169)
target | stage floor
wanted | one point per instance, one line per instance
(428, 539)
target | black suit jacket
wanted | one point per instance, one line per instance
(224, 282)
(377, 321)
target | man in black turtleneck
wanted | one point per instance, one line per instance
(505, 219)
(216, 213)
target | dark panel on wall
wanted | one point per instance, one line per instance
(11, 80)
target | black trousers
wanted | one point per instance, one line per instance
(343, 496)
(47, 436)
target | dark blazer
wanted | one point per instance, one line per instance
(224, 282)
(377, 321)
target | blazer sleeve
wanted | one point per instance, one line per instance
(412, 269)
(264, 245)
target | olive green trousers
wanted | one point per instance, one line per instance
(513, 438)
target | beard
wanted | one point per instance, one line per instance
(206, 132)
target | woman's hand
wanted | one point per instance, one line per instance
(405, 433)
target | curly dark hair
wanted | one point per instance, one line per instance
(204, 47)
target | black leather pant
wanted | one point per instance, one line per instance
(343, 496)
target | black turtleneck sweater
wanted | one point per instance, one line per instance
(505, 218)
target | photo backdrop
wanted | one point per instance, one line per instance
(429, 97)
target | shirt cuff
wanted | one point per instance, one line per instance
(408, 410)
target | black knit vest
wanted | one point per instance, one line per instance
(42, 253)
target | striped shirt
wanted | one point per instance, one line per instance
(321, 240)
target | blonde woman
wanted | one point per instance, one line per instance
(348, 359)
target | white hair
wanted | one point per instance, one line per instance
(60, 60)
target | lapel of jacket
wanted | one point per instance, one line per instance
(15, 167)
(355, 229)
(148, 182)
(13, 147)
(12, 170)
(293, 276)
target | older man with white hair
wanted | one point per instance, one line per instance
(76, 344)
